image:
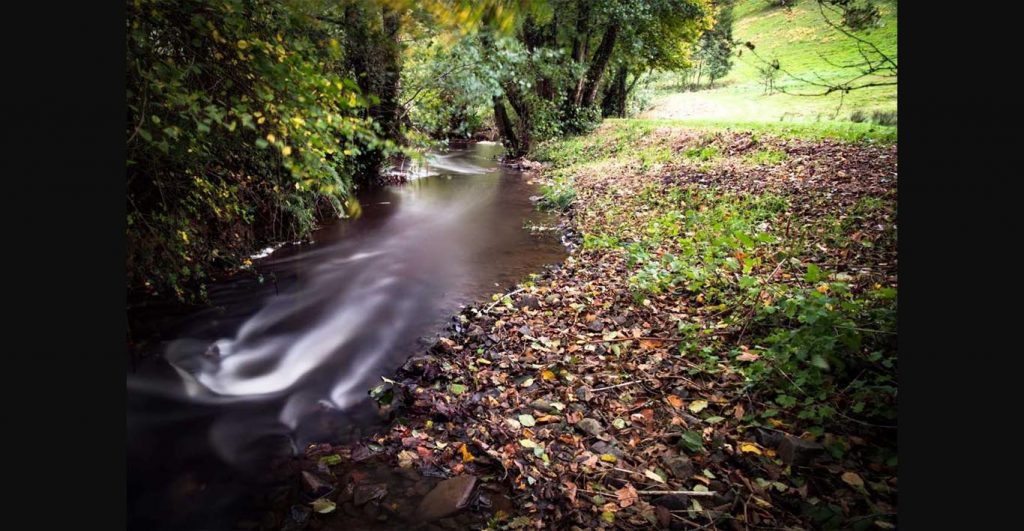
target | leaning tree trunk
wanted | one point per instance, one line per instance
(525, 123)
(508, 133)
(597, 66)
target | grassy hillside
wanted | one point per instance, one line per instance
(805, 46)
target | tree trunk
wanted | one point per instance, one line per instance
(522, 110)
(597, 66)
(388, 112)
(620, 89)
(505, 126)
(579, 45)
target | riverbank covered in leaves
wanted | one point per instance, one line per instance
(718, 352)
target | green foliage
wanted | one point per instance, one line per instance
(767, 157)
(810, 342)
(817, 343)
(240, 129)
(558, 194)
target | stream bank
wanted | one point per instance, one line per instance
(616, 390)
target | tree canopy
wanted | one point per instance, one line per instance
(251, 121)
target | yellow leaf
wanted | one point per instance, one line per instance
(750, 448)
(822, 288)
(271, 138)
(698, 405)
(852, 479)
(287, 150)
(608, 458)
(547, 375)
(466, 456)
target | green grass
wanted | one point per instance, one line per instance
(846, 131)
(804, 46)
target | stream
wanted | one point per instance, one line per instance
(277, 364)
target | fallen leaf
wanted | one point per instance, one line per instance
(570, 491)
(750, 448)
(748, 356)
(527, 383)
(330, 460)
(547, 375)
(405, 458)
(324, 506)
(738, 414)
(527, 420)
(527, 443)
(466, 456)
(650, 474)
(852, 479)
(698, 405)
(608, 458)
(675, 401)
(627, 495)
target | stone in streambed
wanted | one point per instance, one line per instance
(590, 427)
(673, 502)
(601, 447)
(542, 405)
(315, 485)
(365, 493)
(797, 451)
(529, 301)
(447, 498)
(680, 466)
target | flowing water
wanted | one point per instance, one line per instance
(277, 364)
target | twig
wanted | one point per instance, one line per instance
(686, 492)
(509, 294)
(675, 340)
(615, 386)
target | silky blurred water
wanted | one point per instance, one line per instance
(275, 365)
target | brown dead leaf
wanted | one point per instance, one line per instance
(570, 491)
(627, 495)
(675, 401)
(648, 344)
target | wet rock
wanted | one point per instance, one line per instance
(529, 301)
(680, 466)
(601, 447)
(541, 405)
(798, 452)
(590, 427)
(314, 485)
(584, 394)
(447, 498)
(371, 510)
(673, 502)
(298, 517)
(664, 516)
(596, 325)
(768, 438)
(365, 493)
